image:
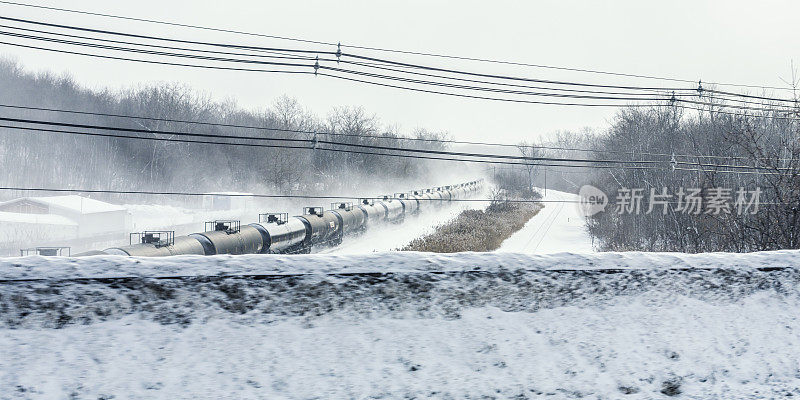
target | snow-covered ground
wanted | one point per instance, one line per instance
(558, 227)
(641, 345)
(468, 325)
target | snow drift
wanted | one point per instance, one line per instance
(395, 325)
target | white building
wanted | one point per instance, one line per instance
(92, 217)
(19, 230)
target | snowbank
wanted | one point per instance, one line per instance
(403, 325)
(37, 267)
(637, 346)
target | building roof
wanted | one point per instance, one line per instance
(83, 205)
(44, 219)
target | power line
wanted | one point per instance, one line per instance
(413, 81)
(151, 52)
(108, 32)
(362, 136)
(392, 78)
(724, 95)
(427, 54)
(288, 196)
(156, 62)
(260, 54)
(351, 55)
(604, 164)
(149, 37)
(372, 65)
(566, 104)
(407, 80)
(167, 23)
(320, 74)
(284, 146)
(314, 141)
(374, 147)
(277, 51)
(417, 81)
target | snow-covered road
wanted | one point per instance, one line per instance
(557, 228)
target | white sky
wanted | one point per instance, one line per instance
(733, 41)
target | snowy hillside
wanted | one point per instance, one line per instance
(394, 325)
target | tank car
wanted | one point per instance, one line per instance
(438, 199)
(353, 219)
(458, 192)
(322, 227)
(447, 196)
(422, 200)
(277, 233)
(427, 198)
(375, 213)
(157, 244)
(409, 201)
(394, 209)
(229, 237)
(280, 233)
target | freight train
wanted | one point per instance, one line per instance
(277, 233)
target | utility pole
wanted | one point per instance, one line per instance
(545, 180)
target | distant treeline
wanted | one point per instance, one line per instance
(722, 144)
(41, 159)
(711, 149)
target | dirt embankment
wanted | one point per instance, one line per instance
(477, 230)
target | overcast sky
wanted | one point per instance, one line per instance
(732, 41)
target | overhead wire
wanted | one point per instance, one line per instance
(371, 136)
(344, 71)
(493, 159)
(155, 62)
(319, 141)
(772, 109)
(290, 196)
(313, 73)
(416, 66)
(287, 55)
(372, 48)
(407, 80)
(341, 70)
(362, 145)
(311, 148)
(371, 75)
(731, 96)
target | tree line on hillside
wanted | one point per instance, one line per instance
(42, 159)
